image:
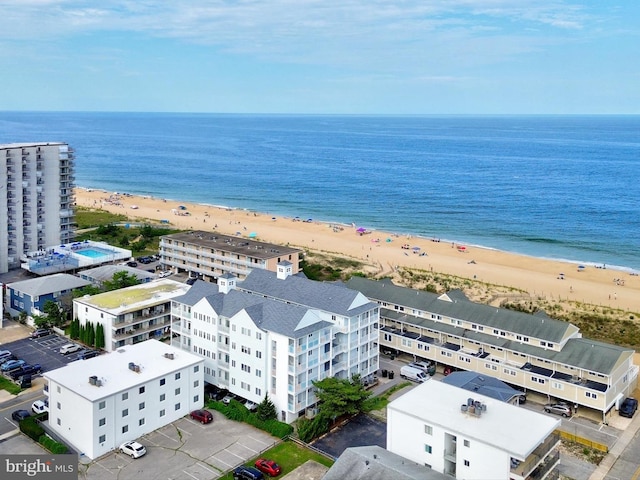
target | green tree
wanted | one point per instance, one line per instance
(74, 331)
(82, 332)
(91, 334)
(120, 280)
(55, 313)
(99, 336)
(88, 290)
(339, 396)
(41, 321)
(266, 409)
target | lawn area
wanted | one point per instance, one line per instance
(9, 386)
(289, 455)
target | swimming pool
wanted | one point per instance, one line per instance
(93, 252)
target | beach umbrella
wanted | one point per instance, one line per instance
(361, 230)
(253, 235)
(416, 249)
(389, 240)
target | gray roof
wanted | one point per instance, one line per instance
(228, 243)
(270, 315)
(58, 282)
(482, 384)
(197, 292)
(328, 297)
(376, 463)
(582, 353)
(105, 273)
(536, 326)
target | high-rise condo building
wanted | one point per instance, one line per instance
(36, 199)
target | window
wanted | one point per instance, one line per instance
(178, 391)
(162, 397)
(177, 407)
(467, 443)
(125, 396)
(141, 422)
(258, 373)
(246, 368)
(196, 369)
(102, 438)
(101, 405)
(125, 429)
(102, 422)
(141, 389)
(141, 406)
(427, 448)
(467, 463)
(125, 412)
(59, 406)
(59, 421)
(177, 377)
(163, 381)
(258, 336)
(258, 391)
(591, 395)
(258, 354)
(196, 383)
(162, 412)
(428, 429)
(196, 398)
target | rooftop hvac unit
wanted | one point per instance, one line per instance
(93, 379)
(170, 356)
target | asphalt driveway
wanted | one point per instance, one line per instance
(360, 431)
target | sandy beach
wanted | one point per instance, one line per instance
(541, 277)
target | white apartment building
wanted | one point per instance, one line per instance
(533, 352)
(36, 199)
(256, 345)
(209, 255)
(471, 436)
(97, 404)
(133, 314)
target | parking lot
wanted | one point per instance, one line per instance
(43, 350)
(184, 450)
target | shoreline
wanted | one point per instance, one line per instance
(612, 287)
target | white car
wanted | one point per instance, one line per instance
(69, 348)
(166, 273)
(39, 406)
(133, 449)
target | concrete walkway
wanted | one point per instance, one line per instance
(607, 462)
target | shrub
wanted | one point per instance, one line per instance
(51, 445)
(310, 429)
(31, 428)
(238, 412)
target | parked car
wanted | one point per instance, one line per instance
(5, 355)
(166, 273)
(8, 358)
(227, 398)
(247, 473)
(133, 449)
(251, 406)
(268, 467)
(86, 354)
(413, 373)
(19, 415)
(26, 370)
(202, 416)
(69, 348)
(39, 406)
(41, 332)
(215, 393)
(558, 408)
(132, 264)
(628, 407)
(12, 365)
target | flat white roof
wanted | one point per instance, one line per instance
(510, 428)
(112, 369)
(134, 298)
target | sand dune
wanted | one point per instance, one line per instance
(537, 276)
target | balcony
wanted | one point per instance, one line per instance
(538, 458)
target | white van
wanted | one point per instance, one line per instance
(413, 373)
(69, 348)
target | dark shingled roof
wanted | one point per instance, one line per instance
(328, 297)
(483, 385)
(458, 307)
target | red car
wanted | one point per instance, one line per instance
(202, 416)
(268, 467)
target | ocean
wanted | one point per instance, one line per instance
(560, 187)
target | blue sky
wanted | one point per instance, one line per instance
(321, 56)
